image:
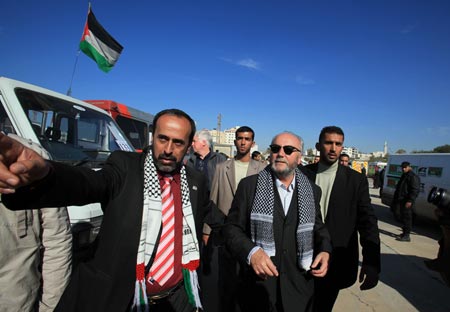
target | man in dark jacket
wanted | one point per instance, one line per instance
(135, 190)
(274, 229)
(203, 158)
(405, 195)
(347, 212)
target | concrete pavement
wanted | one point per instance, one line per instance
(405, 284)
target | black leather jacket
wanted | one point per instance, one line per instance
(407, 188)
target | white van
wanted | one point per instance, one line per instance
(433, 169)
(72, 132)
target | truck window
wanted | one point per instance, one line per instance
(135, 130)
(68, 131)
(5, 123)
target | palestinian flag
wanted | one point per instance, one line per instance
(99, 45)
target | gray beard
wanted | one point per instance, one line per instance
(283, 173)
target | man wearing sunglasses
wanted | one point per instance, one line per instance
(346, 210)
(275, 230)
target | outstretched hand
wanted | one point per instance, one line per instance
(368, 277)
(19, 165)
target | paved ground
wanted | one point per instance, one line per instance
(405, 282)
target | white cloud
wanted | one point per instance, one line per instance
(248, 63)
(304, 81)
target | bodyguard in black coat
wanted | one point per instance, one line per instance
(406, 192)
(347, 211)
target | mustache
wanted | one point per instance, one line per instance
(282, 160)
(164, 157)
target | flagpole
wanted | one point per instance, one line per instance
(69, 92)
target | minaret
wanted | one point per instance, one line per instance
(385, 149)
(219, 124)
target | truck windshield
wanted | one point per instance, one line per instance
(71, 132)
(136, 131)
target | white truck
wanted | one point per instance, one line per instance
(433, 169)
(72, 132)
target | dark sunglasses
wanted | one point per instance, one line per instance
(288, 150)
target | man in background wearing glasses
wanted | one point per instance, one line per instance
(275, 230)
(346, 210)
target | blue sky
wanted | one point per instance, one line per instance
(378, 69)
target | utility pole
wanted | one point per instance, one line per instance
(219, 123)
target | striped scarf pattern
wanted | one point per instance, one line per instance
(261, 218)
(151, 219)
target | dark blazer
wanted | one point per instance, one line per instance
(213, 160)
(349, 213)
(407, 188)
(295, 285)
(107, 282)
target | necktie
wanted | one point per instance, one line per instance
(163, 265)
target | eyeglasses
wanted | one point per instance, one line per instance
(288, 150)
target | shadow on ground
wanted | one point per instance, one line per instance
(423, 288)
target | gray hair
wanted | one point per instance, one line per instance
(204, 134)
(299, 138)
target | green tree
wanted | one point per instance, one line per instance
(400, 151)
(438, 149)
(442, 149)
(374, 159)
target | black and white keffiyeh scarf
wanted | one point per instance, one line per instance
(151, 223)
(261, 218)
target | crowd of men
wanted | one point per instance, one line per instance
(206, 232)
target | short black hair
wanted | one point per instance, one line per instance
(245, 129)
(178, 113)
(255, 153)
(330, 129)
(405, 164)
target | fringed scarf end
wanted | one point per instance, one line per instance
(140, 300)
(192, 287)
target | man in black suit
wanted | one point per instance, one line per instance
(347, 211)
(122, 275)
(274, 229)
(406, 192)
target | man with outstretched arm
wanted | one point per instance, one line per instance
(152, 204)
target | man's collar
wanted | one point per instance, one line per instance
(202, 157)
(321, 167)
(291, 186)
